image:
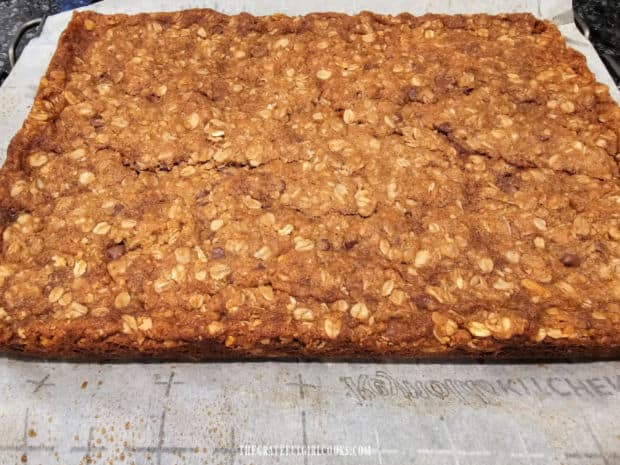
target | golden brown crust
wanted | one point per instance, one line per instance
(196, 185)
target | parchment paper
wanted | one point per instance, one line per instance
(303, 413)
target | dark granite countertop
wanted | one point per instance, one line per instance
(602, 17)
(14, 13)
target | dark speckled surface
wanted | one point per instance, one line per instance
(601, 16)
(13, 13)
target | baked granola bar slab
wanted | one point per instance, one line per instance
(196, 185)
